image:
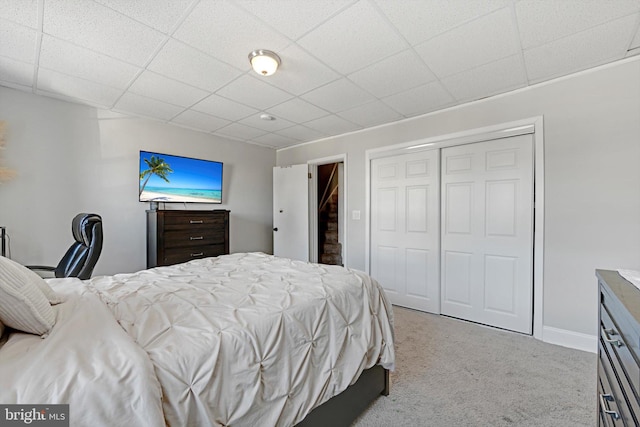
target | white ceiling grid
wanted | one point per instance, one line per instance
(346, 64)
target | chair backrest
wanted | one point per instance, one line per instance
(83, 254)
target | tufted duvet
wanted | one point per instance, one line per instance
(249, 339)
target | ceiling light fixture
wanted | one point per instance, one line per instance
(264, 62)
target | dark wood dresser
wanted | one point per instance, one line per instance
(179, 236)
(619, 351)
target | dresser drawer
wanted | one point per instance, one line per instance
(178, 255)
(181, 221)
(610, 406)
(195, 237)
(619, 332)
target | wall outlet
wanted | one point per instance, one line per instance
(355, 215)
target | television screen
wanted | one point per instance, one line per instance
(167, 178)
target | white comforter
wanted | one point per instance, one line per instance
(243, 339)
(87, 361)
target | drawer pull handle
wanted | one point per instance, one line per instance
(196, 238)
(196, 222)
(603, 405)
(613, 341)
(198, 254)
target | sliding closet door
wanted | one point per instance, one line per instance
(404, 228)
(487, 232)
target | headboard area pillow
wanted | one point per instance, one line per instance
(23, 304)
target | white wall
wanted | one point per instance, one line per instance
(592, 177)
(72, 158)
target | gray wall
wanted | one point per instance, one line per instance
(71, 158)
(592, 177)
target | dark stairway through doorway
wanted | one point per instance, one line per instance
(329, 246)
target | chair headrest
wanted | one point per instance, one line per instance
(82, 226)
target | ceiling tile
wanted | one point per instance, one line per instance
(101, 29)
(162, 15)
(297, 110)
(223, 107)
(381, 78)
(225, 32)
(240, 131)
(479, 42)
(371, 114)
(186, 64)
(338, 96)
(300, 72)
(420, 20)
(420, 100)
(543, 21)
(251, 91)
(486, 80)
(291, 20)
(301, 133)
(67, 58)
(147, 107)
(332, 125)
(274, 140)
(370, 37)
(23, 12)
(17, 42)
(579, 51)
(200, 121)
(17, 72)
(266, 125)
(165, 89)
(54, 82)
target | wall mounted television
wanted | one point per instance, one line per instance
(168, 178)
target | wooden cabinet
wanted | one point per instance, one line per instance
(618, 351)
(179, 236)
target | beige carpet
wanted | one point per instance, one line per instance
(455, 373)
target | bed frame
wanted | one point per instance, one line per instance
(343, 409)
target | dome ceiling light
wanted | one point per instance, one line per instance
(264, 62)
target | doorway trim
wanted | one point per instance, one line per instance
(313, 203)
(532, 125)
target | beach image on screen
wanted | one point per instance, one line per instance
(166, 178)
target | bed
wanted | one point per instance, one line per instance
(238, 340)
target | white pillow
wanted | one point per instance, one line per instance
(40, 282)
(23, 305)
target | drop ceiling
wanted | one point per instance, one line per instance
(346, 65)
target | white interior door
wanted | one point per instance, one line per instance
(487, 232)
(291, 212)
(405, 228)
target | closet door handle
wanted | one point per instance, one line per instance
(603, 405)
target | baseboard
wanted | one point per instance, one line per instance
(570, 339)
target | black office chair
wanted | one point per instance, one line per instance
(83, 255)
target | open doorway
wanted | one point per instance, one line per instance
(329, 207)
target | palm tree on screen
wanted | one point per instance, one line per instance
(158, 167)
